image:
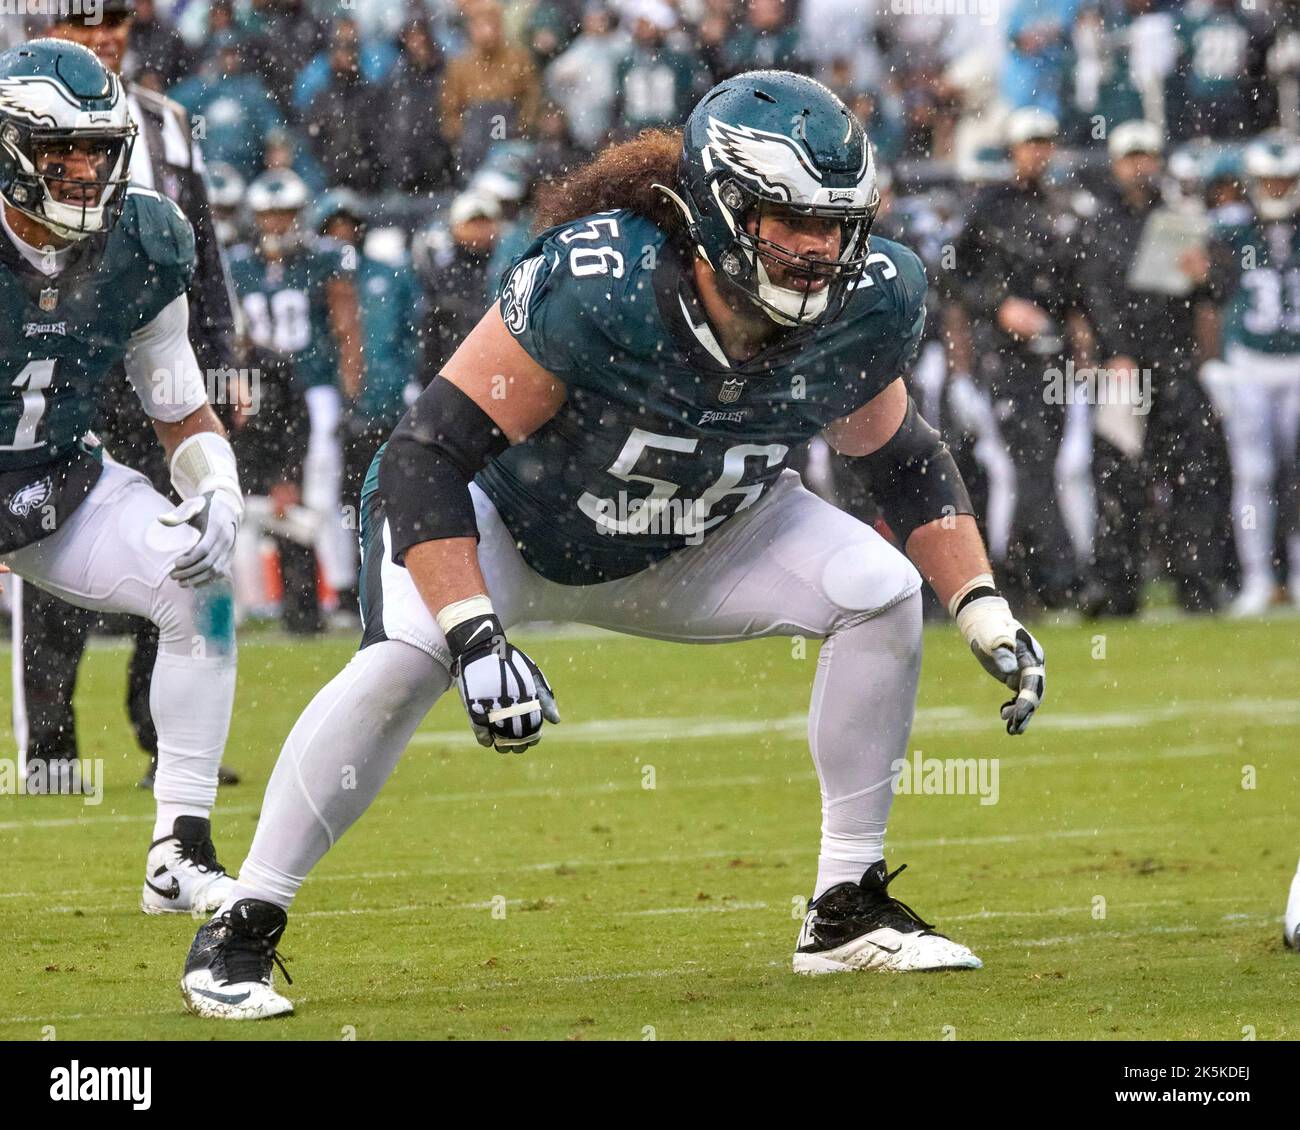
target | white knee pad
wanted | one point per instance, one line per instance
(861, 580)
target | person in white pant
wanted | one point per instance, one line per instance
(298, 293)
(633, 476)
(1254, 264)
(96, 276)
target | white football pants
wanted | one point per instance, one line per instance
(113, 555)
(790, 565)
(1260, 404)
(322, 489)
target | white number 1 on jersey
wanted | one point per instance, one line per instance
(35, 378)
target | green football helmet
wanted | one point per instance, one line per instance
(54, 95)
(278, 190)
(337, 202)
(1273, 157)
(774, 140)
(282, 191)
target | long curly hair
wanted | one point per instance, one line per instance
(620, 176)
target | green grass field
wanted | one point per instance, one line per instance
(1125, 885)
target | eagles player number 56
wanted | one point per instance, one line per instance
(669, 352)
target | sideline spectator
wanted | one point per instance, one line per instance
(413, 154)
(237, 110)
(656, 83)
(491, 92)
(345, 120)
(584, 79)
(452, 261)
(768, 40)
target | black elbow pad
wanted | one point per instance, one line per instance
(436, 449)
(914, 477)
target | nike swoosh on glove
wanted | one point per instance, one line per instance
(217, 520)
(1009, 653)
(504, 693)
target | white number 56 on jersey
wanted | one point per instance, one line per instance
(661, 508)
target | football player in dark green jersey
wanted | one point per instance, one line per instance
(701, 303)
(1256, 273)
(298, 292)
(93, 274)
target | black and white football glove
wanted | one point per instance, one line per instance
(216, 518)
(1006, 651)
(505, 695)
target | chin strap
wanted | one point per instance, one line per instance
(788, 307)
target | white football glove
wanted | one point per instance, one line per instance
(216, 518)
(504, 693)
(1006, 651)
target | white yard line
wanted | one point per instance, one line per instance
(664, 779)
(92, 817)
(671, 730)
(1229, 920)
(951, 719)
(711, 908)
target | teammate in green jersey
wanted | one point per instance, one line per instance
(94, 274)
(701, 303)
(298, 292)
(1256, 264)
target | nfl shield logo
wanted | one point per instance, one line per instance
(49, 298)
(730, 391)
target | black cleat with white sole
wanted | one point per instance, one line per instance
(861, 926)
(228, 971)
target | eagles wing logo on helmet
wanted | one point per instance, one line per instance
(25, 98)
(771, 160)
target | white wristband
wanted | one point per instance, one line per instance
(461, 610)
(983, 580)
(205, 462)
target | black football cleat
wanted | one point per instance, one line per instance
(228, 971)
(861, 926)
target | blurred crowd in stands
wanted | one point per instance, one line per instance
(1081, 177)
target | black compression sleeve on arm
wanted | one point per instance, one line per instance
(914, 477)
(434, 451)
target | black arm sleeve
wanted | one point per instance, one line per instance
(914, 477)
(434, 451)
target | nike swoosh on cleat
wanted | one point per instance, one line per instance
(878, 946)
(224, 998)
(175, 891)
